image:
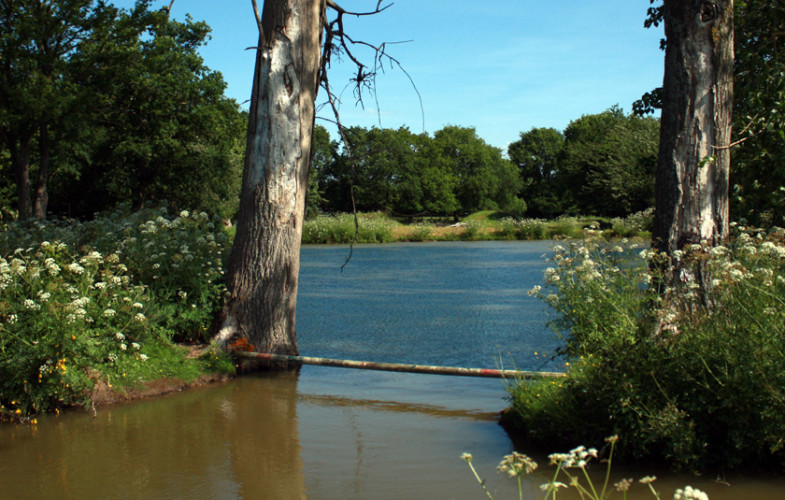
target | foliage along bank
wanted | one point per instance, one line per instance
(703, 391)
(105, 302)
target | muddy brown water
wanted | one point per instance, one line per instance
(332, 433)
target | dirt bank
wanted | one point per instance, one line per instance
(103, 394)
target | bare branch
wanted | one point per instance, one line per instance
(258, 19)
(341, 11)
(744, 131)
(337, 42)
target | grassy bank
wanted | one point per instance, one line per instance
(488, 225)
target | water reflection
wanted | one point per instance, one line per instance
(230, 441)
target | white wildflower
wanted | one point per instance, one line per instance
(140, 317)
(736, 274)
(119, 336)
(143, 357)
(135, 345)
(109, 313)
(123, 347)
(93, 256)
(75, 268)
(32, 305)
(690, 493)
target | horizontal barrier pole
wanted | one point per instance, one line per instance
(397, 367)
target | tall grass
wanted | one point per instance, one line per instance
(372, 228)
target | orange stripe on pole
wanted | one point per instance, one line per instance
(397, 367)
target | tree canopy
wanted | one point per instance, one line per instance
(403, 173)
(602, 164)
(102, 105)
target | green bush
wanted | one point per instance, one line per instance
(60, 316)
(531, 229)
(692, 381)
(180, 258)
(103, 300)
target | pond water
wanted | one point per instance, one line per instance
(332, 433)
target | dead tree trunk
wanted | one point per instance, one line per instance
(265, 261)
(692, 173)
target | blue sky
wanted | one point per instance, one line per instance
(501, 66)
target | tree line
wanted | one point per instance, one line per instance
(100, 105)
(601, 164)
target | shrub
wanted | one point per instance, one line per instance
(531, 229)
(634, 224)
(698, 383)
(61, 315)
(103, 300)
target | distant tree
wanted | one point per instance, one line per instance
(485, 180)
(323, 153)
(608, 163)
(395, 171)
(538, 154)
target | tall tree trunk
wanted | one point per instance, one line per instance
(265, 261)
(41, 190)
(20, 158)
(692, 173)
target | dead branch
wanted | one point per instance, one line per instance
(743, 139)
(258, 19)
(336, 43)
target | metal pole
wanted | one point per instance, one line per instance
(398, 367)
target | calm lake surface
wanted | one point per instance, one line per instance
(332, 433)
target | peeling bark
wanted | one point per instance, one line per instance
(263, 270)
(691, 189)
